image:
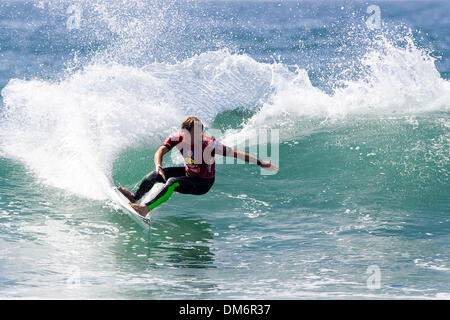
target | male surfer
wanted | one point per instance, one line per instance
(197, 176)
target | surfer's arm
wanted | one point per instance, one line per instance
(251, 159)
(171, 141)
(230, 152)
(244, 156)
(162, 150)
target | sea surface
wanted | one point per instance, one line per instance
(350, 98)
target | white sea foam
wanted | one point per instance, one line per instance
(69, 132)
(397, 81)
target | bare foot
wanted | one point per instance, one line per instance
(140, 208)
(127, 193)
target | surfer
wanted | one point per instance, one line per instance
(197, 176)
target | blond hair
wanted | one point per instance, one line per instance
(189, 122)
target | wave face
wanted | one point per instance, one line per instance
(362, 116)
(70, 131)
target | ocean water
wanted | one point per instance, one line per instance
(357, 94)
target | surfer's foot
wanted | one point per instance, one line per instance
(140, 208)
(127, 193)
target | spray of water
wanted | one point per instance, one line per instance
(69, 131)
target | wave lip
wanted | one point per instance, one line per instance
(395, 80)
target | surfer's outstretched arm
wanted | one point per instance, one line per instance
(246, 157)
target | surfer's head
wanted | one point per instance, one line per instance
(194, 126)
(190, 122)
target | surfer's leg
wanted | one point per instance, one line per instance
(186, 185)
(194, 185)
(153, 177)
(164, 194)
(127, 193)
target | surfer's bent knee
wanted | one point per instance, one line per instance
(152, 175)
(170, 181)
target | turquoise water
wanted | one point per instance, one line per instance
(362, 116)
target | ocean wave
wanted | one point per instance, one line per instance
(395, 81)
(69, 131)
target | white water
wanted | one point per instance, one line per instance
(69, 132)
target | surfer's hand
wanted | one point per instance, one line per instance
(268, 165)
(161, 173)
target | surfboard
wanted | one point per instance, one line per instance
(122, 201)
